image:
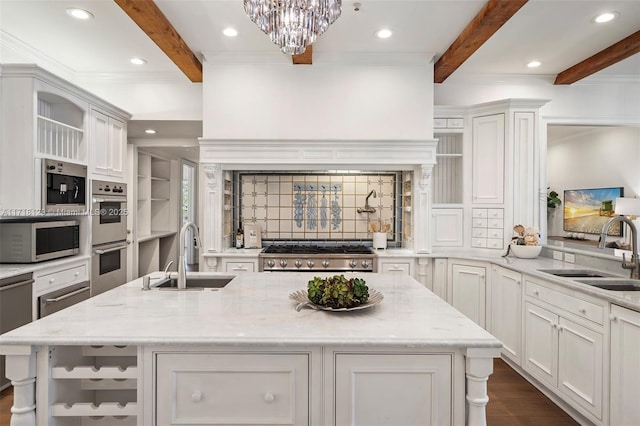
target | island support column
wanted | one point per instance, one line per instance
(479, 366)
(21, 370)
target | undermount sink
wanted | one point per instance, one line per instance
(614, 284)
(195, 283)
(576, 273)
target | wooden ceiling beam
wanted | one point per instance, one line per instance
(601, 60)
(489, 20)
(147, 15)
(305, 58)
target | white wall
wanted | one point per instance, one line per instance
(601, 101)
(603, 157)
(384, 100)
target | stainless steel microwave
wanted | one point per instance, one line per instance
(64, 187)
(30, 241)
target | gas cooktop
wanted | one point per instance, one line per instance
(304, 249)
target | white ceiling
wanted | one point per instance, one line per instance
(557, 32)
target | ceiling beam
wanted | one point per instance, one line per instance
(601, 60)
(152, 21)
(490, 18)
(305, 58)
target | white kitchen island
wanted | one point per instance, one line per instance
(243, 355)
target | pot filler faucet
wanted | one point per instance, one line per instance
(367, 208)
(182, 267)
(634, 264)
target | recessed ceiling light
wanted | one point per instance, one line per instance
(384, 33)
(534, 64)
(605, 17)
(79, 14)
(138, 61)
(150, 131)
(230, 32)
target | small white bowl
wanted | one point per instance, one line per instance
(526, 252)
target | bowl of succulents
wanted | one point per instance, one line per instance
(336, 293)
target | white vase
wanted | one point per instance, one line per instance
(379, 240)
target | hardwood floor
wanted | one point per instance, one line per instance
(512, 402)
(515, 402)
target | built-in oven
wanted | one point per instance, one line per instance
(108, 266)
(63, 298)
(64, 187)
(108, 212)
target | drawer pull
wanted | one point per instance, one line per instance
(612, 317)
(269, 397)
(582, 310)
(554, 325)
(76, 274)
(536, 292)
(240, 269)
(52, 280)
(196, 396)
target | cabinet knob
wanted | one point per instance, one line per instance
(560, 328)
(612, 317)
(196, 396)
(554, 325)
(52, 280)
(536, 292)
(518, 282)
(269, 397)
(582, 310)
(76, 274)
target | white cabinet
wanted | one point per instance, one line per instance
(447, 227)
(109, 147)
(396, 266)
(487, 228)
(157, 212)
(506, 311)
(466, 289)
(440, 278)
(625, 366)
(563, 346)
(392, 389)
(488, 159)
(237, 267)
(232, 388)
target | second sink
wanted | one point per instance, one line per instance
(576, 273)
(614, 284)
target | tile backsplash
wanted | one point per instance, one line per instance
(322, 206)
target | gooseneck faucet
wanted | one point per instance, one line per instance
(367, 208)
(182, 267)
(634, 264)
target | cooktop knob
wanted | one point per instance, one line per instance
(271, 263)
(283, 262)
(353, 263)
(310, 263)
(325, 263)
(365, 263)
(298, 263)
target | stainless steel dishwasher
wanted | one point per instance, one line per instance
(15, 309)
(63, 298)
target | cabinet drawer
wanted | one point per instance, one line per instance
(479, 223)
(494, 243)
(240, 267)
(495, 233)
(479, 232)
(439, 123)
(478, 242)
(479, 213)
(62, 278)
(574, 305)
(232, 388)
(403, 268)
(455, 123)
(495, 223)
(495, 213)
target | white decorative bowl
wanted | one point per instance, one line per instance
(526, 252)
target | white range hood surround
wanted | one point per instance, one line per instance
(216, 156)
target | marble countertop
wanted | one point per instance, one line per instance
(12, 269)
(255, 309)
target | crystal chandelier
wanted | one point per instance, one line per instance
(293, 24)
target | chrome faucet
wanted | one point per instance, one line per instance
(367, 208)
(634, 263)
(182, 267)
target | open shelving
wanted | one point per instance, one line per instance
(60, 128)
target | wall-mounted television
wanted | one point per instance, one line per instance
(588, 210)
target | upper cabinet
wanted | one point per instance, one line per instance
(46, 117)
(109, 147)
(488, 159)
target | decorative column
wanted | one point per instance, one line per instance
(211, 234)
(21, 370)
(422, 208)
(479, 366)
